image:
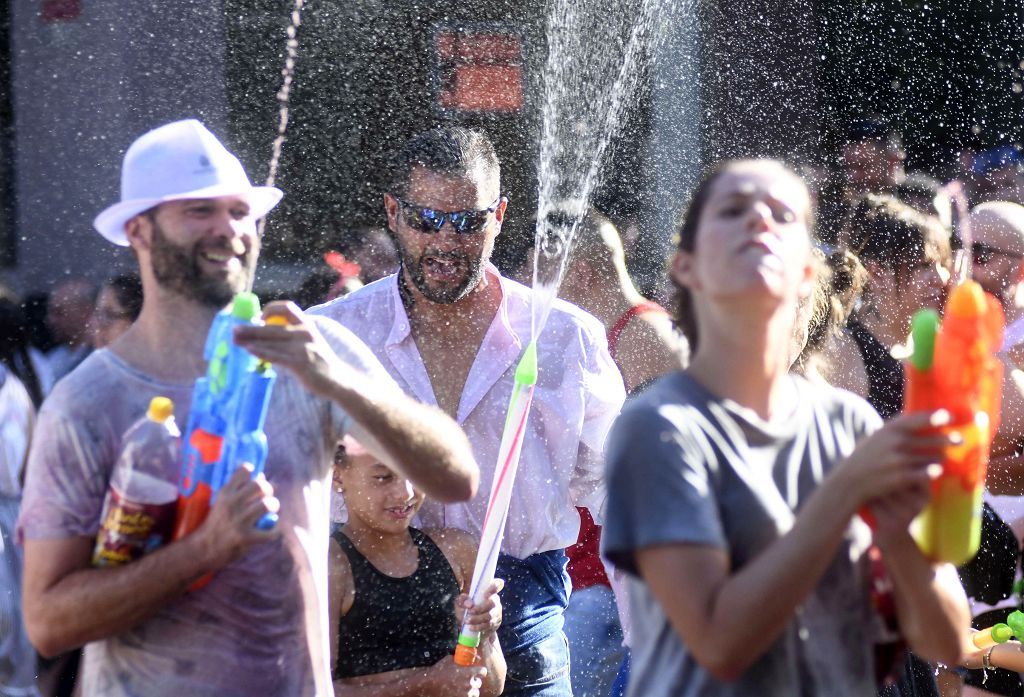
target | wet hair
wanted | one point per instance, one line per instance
(128, 291)
(840, 281)
(341, 457)
(15, 343)
(883, 230)
(684, 316)
(927, 195)
(450, 150)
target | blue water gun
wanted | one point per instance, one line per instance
(225, 425)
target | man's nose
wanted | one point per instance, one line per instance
(447, 237)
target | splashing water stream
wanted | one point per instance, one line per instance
(587, 84)
(283, 98)
(580, 118)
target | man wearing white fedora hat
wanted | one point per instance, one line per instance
(189, 213)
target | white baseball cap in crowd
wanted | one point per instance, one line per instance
(181, 160)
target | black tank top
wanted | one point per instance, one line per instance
(397, 623)
(885, 373)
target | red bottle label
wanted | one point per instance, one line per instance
(131, 529)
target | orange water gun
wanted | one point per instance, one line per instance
(954, 367)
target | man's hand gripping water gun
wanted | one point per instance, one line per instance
(225, 426)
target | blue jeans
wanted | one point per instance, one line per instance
(595, 640)
(533, 603)
(622, 679)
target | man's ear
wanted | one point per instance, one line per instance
(499, 212)
(683, 271)
(1019, 275)
(391, 209)
(138, 230)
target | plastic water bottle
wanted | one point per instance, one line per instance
(138, 512)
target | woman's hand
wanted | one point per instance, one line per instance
(1009, 656)
(894, 462)
(894, 513)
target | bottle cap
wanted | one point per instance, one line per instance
(160, 409)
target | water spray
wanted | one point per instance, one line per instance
(283, 100)
(578, 155)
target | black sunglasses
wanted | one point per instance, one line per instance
(983, 253)
(429, 220)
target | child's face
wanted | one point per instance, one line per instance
(378, 496)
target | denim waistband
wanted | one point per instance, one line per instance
(534, 599)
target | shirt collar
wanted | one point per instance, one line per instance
(401, 329)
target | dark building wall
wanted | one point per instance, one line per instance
(84, 87)
(759, 80)
(945, 72)
(767, 78)
(365, 85)
(8, 248)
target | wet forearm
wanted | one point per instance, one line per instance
(930, 602)
(494, 661)
(422, 442)
(405, 683)
(720, 612)
(93, 604)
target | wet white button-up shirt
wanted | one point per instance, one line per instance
(579, 393)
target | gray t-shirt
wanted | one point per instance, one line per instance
(684, 466)
(256, 629)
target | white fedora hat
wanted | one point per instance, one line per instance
(181, 160)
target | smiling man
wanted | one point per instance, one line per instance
(189, 214)
(450, 329)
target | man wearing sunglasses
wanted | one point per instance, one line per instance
(998, 250)
(450, 330)
(998, 253)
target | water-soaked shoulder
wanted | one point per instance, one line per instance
(341, 586)
(104, 378)
(459, 548)
(840, 405)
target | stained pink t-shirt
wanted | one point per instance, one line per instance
(256, 629)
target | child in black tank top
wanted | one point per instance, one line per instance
(397, 594)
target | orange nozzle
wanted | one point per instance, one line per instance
(192, 511)
(208, 445)
(465, 655)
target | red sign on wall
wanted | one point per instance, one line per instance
(479, 69)
(60, 10)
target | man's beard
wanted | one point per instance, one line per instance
(473, 272)
(177, 269)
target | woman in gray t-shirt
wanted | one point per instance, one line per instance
(734, 486)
